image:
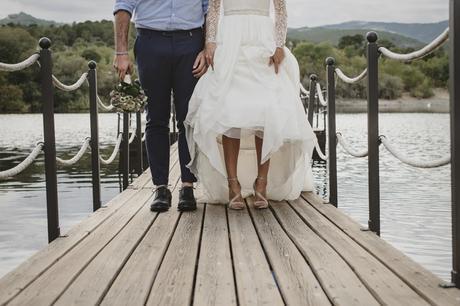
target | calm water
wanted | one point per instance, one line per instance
(415, 203)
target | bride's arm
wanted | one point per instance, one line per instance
(212, 20)
(212, 23)
(280, 22)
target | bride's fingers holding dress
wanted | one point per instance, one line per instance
(210, 49)
(277, 58)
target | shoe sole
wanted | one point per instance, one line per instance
(159, 209)
(186, 209)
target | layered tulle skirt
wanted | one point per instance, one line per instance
(242, 98)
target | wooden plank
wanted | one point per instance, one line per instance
(295, 279)
(145, 179)
(21, 277)
(18, 279)
(51, 284)
(90, 286)
(174, 282)
(254, 280)
(214, 281)
(338, 280)
(386, 287)
(133, 284)
(413, 274)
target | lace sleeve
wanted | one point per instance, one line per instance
(212, 20)
(280, 22)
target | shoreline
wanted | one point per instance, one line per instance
(439, 103)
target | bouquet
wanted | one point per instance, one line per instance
(128, 96)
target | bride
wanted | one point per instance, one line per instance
(246, 127)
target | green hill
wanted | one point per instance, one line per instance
(321, 34)
(26, 20)
(424, 32)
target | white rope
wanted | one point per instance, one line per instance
(348, 148)
(439, 41)
(114, 153)
(24, 164)
(304, 93)
(321, 98)
(320, 153)
(20, 66)
(72, 87)
(133, 135)
(349, 80)
(103, 106)
(414, 163)
(78, 156)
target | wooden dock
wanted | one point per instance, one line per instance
(303, 252)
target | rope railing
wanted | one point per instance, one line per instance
(132, 137)
(103, 106)
(414, 163)
(321, 155)
(20, 66)
(78, 156)
(114, 153)
(348, 79)
(304, 93)
(24, 164)
(348, 149)
(72, 87)
(319, 92)
(435, 44)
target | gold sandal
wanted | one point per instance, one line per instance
(235, 203)
(263, 202)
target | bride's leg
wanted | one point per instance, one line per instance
(231, 148)
(262, 169)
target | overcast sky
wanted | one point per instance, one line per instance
(301, 12)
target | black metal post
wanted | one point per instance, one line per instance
(454, 37)
(312, 98)
(332, 130)
(94, 121)
(46, 72)
(125, 150)
(373, 131)
(140, 162)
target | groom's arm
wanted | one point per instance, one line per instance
(122, 62)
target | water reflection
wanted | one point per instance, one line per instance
(415, 203)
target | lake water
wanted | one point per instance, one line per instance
(415, 204)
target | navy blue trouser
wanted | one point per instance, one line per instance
(165, 63)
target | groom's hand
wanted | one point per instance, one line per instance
(200, 67)
(123, 65)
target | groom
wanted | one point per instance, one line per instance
(168, 51)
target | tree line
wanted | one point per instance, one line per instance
(75, 44)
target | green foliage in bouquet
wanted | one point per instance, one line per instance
(128, 97)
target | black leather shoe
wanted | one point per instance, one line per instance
(187, 200)
(162, 200)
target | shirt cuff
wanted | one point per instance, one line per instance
(123, 7)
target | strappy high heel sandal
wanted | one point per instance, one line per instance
(235, 203)
(262, 203)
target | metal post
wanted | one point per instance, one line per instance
(140, 162)
(332, 130)
(311, 100)
(454, 37)
(46, 72)
(93, 110)
(125, 150)
(373, 131)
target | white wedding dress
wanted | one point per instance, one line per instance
(243, 97)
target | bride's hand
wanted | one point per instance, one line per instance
(277, 58)
(209, 51)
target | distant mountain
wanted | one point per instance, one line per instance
(333, 35)
(25, 19)
(424, 32)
